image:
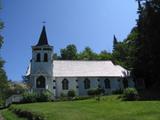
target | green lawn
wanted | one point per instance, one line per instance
(107, 109)
(8, 115)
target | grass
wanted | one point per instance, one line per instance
(109, 108)
(8, 115)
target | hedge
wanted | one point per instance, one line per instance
(27, 114)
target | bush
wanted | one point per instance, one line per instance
(63, 95)
(130, 94)
(115, 92)
(71, 93)
(29, 97)
(1, 102)
(93, 92)
(45, 96)
(82, 97)
(27, 114)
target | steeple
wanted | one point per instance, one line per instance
(43, 38)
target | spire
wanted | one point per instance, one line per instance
(43, 38)
(114, 42)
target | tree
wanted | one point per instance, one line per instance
(87, 54)
(124, 52)
(115, 42)
(15, 88)
(69, 53)
(3, 77)
(147, 56)
(119, 53)
(104, 55)
(56, 57)
(1, 38)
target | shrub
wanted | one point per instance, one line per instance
(45, 96)
(71, 93)
(29, 97)
(100, 91)
(1, 102)
(115, 92)
(93, 92)
(63, 95)
(130, 94)
(27, 114)
(82, 97)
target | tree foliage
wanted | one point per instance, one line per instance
(124, 52)
(104, 55)
(87, 54)
(3, 77)
(147, 55)
(69, 53)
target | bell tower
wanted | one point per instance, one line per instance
(41, 72)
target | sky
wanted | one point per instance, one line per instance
(81, 22)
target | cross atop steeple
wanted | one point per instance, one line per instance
(44, 22)
(43, 38)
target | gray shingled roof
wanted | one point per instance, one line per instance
(63, 68)
(66, 68)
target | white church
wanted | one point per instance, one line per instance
(60, 76)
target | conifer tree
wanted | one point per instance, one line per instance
(3, 77)
(115, 42)
(147, 54)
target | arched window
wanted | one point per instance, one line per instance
(86, 83)
(38, 58)
(107, 83)
(125, 83)
(40, 82)
(45, 57)
(65, 84)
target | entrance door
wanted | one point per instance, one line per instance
(40, 82)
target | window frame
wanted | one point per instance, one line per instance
(41, 82)
(107, 83)
(38, 57)
(87, 84)
(45, 57)
(65, 84)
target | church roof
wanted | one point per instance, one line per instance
(76, 68)
(63, 68)
(43, 38)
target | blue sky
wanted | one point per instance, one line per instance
(81, 22)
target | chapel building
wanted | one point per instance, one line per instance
(60, 76)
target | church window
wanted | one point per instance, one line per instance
(65, 84)
(36, 49)
(125, 83)
(86, 83)
(54, 87)
(54, 80)
(38, 58)
(45, 57)
(107, 83)
(40, 82)
(47, 49)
